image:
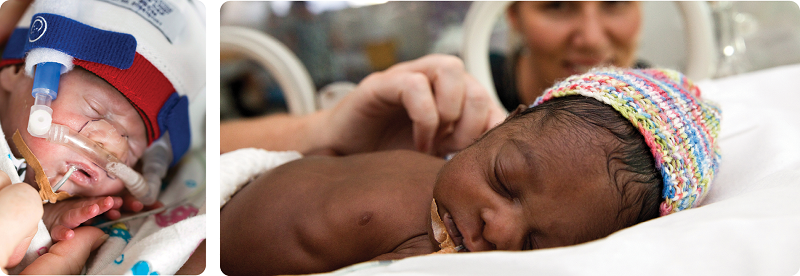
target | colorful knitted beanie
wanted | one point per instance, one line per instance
(679, 127)
(153, 52)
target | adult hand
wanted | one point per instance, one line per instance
(69, 256)
(429, 104)
(20, 212)
(10, 13)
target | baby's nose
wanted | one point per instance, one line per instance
(503, 230)
(107, 136)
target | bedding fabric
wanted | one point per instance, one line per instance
(160, 243)
(748, 225)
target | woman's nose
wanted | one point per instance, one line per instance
(107, 136)
(590, 32)
(504, 230)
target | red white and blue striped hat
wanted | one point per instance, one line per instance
(153, 52)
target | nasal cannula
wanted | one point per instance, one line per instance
(136, 184)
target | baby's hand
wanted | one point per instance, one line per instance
(64, 216)
(130, 203)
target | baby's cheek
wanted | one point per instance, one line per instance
(107, 188)
(105, 134)
(50, 156)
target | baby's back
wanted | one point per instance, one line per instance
(321, 213)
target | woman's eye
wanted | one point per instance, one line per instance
(614, 7)
(555, 5)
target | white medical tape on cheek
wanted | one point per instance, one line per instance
(107, 133)
(103, 128)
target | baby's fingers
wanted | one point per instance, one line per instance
(113, 213)
(130, 203)
(74, 217)
(61, 233)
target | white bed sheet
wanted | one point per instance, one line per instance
(748, 225)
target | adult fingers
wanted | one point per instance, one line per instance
(472, 123)
(446, 75)
(10, 13)
(410, 90)
(5, 181)
(21, 211)
(496, 116)
(69, 256)
(19, 252)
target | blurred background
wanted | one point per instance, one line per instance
(342, 42)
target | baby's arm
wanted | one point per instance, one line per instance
(66, 215)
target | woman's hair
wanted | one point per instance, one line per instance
(630, 162)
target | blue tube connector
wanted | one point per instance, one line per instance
(46, 78)
(45, 90)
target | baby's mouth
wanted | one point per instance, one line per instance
(84, 175)
(452, 230)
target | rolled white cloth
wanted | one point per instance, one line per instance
(238, 167)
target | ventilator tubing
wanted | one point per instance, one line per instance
(45, 90)
(134, 181)
(155, 162)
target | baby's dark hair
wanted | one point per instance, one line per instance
(630, 163)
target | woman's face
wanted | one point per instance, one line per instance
(518, 189)
(567, 38)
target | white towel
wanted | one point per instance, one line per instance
(238, 167)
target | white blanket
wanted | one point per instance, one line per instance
(238, 167)
(162, 242)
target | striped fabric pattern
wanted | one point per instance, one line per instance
(680, 128)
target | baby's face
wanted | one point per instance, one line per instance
(518, 188)
(94, 108)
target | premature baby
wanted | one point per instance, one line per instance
(116, 98)
(596, 153)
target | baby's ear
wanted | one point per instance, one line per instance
(11, 77)
(520, 108)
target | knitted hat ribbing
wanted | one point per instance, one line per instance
(679, 127)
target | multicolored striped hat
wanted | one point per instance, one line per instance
(679, 127)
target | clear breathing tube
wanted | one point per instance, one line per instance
(155, 162)
(145, 192)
